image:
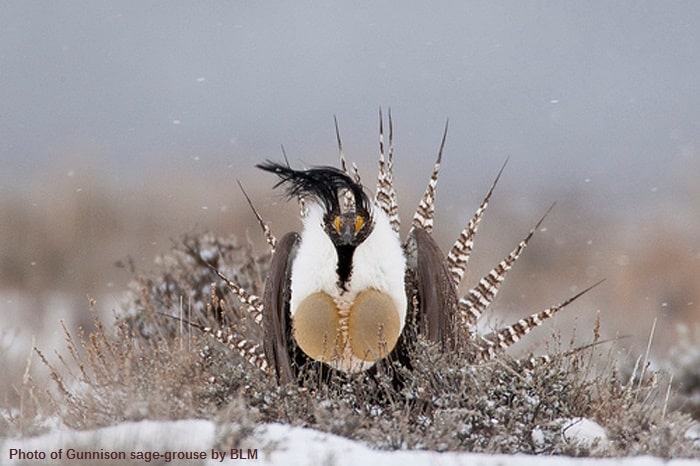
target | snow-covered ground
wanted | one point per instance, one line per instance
(271, 444)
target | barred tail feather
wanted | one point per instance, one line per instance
(499, 340)
(231, 337)
(534, 361)
(252, 302)
(302, 204)
(343, 161)
(458, 257)
(385, 196)
(423, 218)
(473, 304)
(251, 352)
(269, 237)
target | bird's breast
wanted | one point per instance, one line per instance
(349, 335)
(353, 323)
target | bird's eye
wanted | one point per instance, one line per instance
(359, 223)
(336, 224)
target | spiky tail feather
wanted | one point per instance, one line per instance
(385, 196)
(251, 352)
(343, 161)
(423, 218)
(458, 257)
(252, 302)
(269, 237)
(476, 300)
(231, 338)
(495, 342)
(534, 361)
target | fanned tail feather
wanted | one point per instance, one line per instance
(269, 237)
(343, 161)
(476, 300)
(356, 174)
(253, 303)
(489, 345)
(302, 202)
(423, 218)
(458, 257)
(251, 352)
(533, 361)
(385, 196)
(231, 337)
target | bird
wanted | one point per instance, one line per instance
(336, 291)
(346, 292)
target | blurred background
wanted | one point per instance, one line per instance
(124, 125)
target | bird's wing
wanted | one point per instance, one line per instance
(437, 295)
(278, 345)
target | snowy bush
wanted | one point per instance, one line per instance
(152, 365)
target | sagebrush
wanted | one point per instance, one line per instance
(153, 363)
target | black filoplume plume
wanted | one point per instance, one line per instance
(322, 183)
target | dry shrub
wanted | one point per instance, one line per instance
(29, 414)
(152, 365)
(114, 378)
(684, 364)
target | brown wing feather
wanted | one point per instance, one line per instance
(278, 342)
(437, 294)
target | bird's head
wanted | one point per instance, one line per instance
(347, 218)
(350, 224)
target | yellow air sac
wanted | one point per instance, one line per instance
(315, 325)
(373, 326)
(364, 333)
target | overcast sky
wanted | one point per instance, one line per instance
(604, 93)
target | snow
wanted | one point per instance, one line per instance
(585, 432)
(693, 433)
(272, 444)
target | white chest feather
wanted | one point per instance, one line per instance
(378, 263)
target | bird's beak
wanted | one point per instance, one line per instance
(347, 226)
(347, 232)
